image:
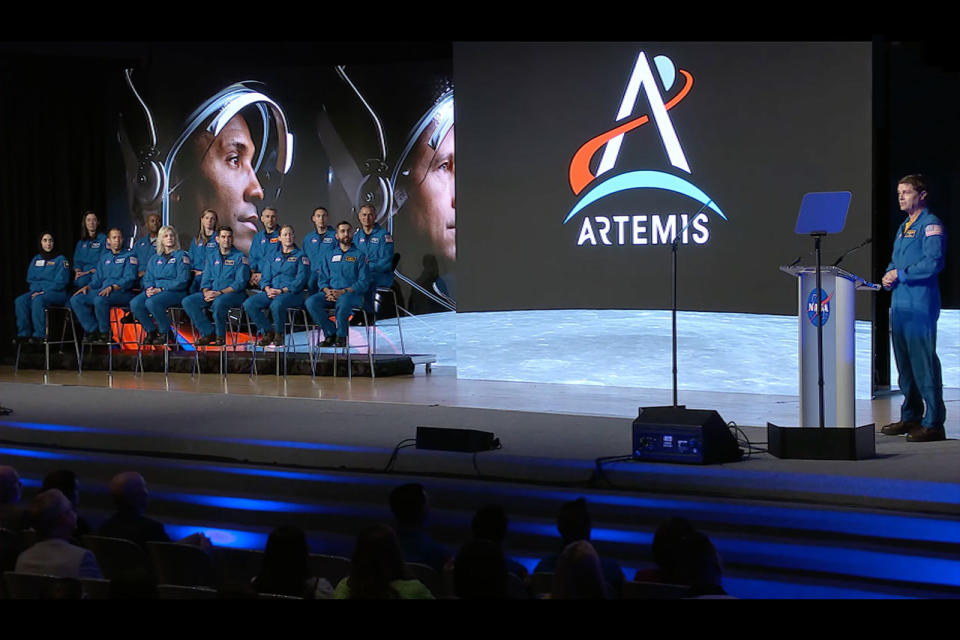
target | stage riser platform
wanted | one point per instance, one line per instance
(298, 364)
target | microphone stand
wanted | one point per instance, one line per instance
(817, 236)
(674, 246)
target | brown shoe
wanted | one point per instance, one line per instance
(206, 341)
(268, 339)
(899, 428)
(920, 434)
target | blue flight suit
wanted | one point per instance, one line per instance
(264, 245)
(86, 256)
(198, 256)
(316, 246)
(222, 272)
(378, 247)
(171, 273)
(145, 248)
(340, 270)
(918, 257)
(92, 309)
(51, 277)
(283, 270)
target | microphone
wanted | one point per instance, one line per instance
(849, 251)
(795, 262)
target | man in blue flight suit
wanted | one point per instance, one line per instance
(374, 242)
(284, 282)
(111, 287)
(146, 247)
(343, 278)
(918, 256)
(319, 242)
(224, 281)
(266, 244)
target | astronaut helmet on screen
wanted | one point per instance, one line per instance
(229, 155)
(424, 193)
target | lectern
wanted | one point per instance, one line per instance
(826, 343)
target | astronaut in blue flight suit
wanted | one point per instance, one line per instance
(283, 283)
(223, 287)
(111, 287)
(48, 277)
(342, 278)
(205, 244)
(86, 255)
(918, 258)
(318, 243)
(265, 245)
(374, 242)
(165, 285)
(146, 247)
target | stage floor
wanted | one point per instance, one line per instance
(550, 432)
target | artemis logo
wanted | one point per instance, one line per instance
(639, 229)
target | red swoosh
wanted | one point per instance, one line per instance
(580, 175)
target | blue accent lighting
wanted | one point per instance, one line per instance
(233, 538)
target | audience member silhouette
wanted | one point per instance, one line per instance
(286, 567)
(13, 516)
(697, 565)
(66, 481)
(130, 496)
(55, 521)
(410, 508)
(490, 523)
(578, 574)
(573, 523)
(377, 570)
(664, 550)
(479, 572)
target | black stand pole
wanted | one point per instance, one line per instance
(676, 241)
(817, 236)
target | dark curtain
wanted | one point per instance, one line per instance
(53, 137)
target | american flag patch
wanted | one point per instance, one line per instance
(933, 230)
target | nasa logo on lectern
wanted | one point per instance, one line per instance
(647, 228)
(824, 307)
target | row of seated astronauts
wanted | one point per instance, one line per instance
(337, 269)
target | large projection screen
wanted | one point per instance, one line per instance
(578, 162)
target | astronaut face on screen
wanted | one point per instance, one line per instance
(229, 154)
(425, 186)
(227, 181)
(431, 196)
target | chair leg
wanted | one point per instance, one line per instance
(73, 333)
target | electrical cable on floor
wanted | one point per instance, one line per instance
(743, 441)
(598, 473)
(475, 467)
(403, 444)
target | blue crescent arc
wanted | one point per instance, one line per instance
(643, 180)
